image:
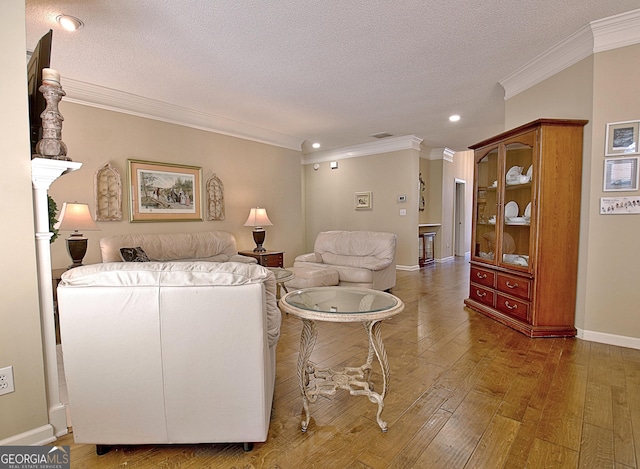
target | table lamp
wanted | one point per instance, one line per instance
(258, 218)
(75, 217)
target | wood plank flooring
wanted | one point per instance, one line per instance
(465, 392)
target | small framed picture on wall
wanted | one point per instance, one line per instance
(621, 174)
(363, 200)
(622, 138)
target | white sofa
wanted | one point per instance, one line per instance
(213, 246)
(361, 258)
(169, 352)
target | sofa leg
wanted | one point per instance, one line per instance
(247, 446)
(102, 449)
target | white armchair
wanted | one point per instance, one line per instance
(361, 258)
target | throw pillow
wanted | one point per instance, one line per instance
(136, 254)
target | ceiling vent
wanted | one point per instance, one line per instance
(382, 135)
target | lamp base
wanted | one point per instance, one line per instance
(258, 238)
(77, 248)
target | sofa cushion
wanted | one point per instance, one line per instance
(306, 277)
(136, 254)
(171, 246)
(361, 249)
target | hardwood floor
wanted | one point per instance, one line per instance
(465, 392)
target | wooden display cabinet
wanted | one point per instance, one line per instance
(526, 224)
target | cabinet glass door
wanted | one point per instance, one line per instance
(486, 207)
(517, 202)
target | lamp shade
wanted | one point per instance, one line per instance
(75, 217)
(258, 217)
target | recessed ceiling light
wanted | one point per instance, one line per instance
(454, 118)
(70, 23)
(316, 145)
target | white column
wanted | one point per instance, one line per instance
(43, 173)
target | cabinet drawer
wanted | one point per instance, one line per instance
(273, 260)
(513, 307)
(483, 277)
(517, 286)
(482, 295)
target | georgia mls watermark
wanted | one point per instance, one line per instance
(35, 457)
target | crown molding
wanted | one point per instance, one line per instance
(386, 145)
(118, 101)
(445, 154)
(616, 31)
(598, 36)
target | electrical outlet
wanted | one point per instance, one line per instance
(6, 380)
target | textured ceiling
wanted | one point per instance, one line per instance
(331, 71)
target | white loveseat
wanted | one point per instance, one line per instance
(169, 352)
(213, 246)
(361, 258)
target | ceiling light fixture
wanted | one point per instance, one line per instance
(316, 145)
(454, 118)
(70, 23)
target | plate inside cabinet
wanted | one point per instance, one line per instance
(511, 209)
(527, 211)
(514, 173)
(530, 172)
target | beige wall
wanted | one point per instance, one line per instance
(253, 174)
(463, 166)
(601, 88)
(440, 177)
(433, 180)
(613, 268)
(329, 195)
(20, 343)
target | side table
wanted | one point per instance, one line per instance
(341, 304)
(282, 275)
(266, 258)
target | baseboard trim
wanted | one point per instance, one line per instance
(408, 268)
(609, 339)
(445, 259)
(35, 437)
(58, 419)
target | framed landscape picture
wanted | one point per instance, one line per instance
(164, 192)
(621, 174)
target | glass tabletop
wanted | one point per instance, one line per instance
(281, 274)
(341, 300)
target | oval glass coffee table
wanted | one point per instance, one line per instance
(341, 304)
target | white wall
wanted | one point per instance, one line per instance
(24, 410)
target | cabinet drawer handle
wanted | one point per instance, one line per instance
(481, 275)
(506, 303)
(515, 285)
(481, 294)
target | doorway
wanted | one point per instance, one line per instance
(459, 238)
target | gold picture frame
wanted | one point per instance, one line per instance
(160, 192)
